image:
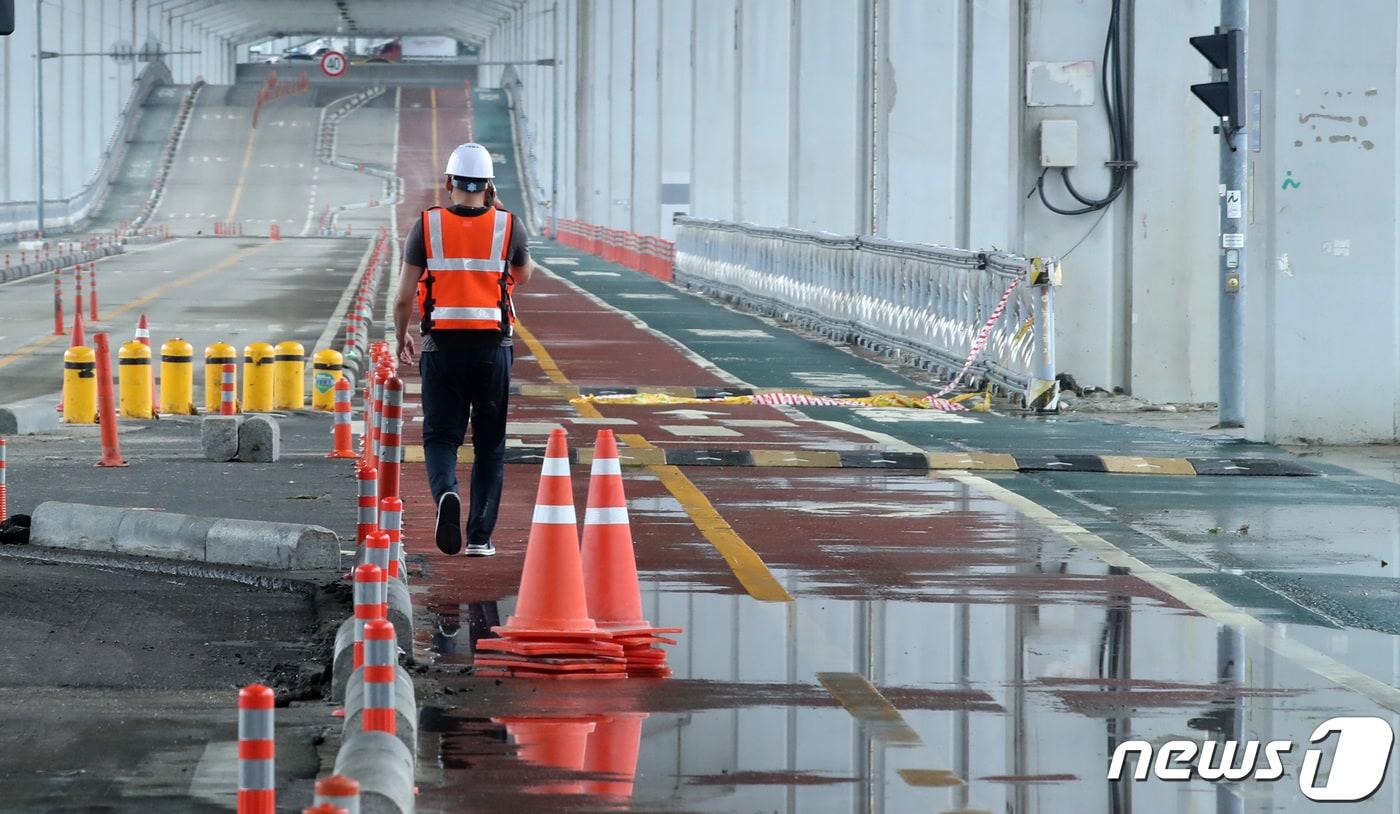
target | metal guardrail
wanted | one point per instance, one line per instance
(978, 316)
(17, 217)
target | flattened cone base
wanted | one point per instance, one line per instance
(663, 672)
(488, 658)
(508, 632)
(642, 641)
(502, 673)
(552, 666)
(646, 659)
(644, 629)
(542, 648)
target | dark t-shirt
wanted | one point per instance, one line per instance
(416, 254)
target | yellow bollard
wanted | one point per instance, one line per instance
(289, 370)
(80, 386)
(329, 367)
(257, 378)
(215, 357)
(134, 379)
(177, 378)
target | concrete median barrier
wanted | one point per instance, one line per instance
(400, 614)
(383, 767)
(29, 416)
(145, 533)
(405, 707)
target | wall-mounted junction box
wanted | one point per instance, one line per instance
(1059, 143)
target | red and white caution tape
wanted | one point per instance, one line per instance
(981, 342)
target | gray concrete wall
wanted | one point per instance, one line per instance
(1323, 342)
(910, 119)
(84, 97)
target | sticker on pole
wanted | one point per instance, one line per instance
(334, 63)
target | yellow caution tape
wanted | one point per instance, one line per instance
(877, 400)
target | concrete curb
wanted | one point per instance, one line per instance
(400, 614)
(405, 704)
(256, 543)
(37, 267)
(29, 416)
(383, 766)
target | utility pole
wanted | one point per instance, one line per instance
(1227, 51)
(1234, 15)
(39, 116)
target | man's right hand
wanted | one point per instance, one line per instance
(408, 351)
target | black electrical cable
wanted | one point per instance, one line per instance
(1119, 133)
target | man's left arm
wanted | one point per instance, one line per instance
(521, 264)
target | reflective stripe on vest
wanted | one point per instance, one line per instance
(466, 286)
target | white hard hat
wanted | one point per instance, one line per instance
(470, 161)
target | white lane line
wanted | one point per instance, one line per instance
(1192, 596)
(333, 324)
(641, 325)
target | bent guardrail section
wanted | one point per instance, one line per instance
(975, 316)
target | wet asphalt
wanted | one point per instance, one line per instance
(953, 642)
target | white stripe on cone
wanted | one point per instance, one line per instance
(555, 466)
(607, 466)
(610, 516)
(555, 515)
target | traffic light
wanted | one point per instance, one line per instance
(1225, 98)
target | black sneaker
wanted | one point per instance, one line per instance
(449, 523)
(480, 549)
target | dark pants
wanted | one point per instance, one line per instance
(462, 385)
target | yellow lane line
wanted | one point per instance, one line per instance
(432, 98)
(879, 720)
(142, 300)
(747, 566)
(28, 349)
(546, 362)
(876, 714)
(242, 173)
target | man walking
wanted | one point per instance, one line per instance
(462, 264)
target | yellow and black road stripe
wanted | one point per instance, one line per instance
(915, 461)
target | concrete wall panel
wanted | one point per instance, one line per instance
(765, 111)
(714, 160)
(832, 162)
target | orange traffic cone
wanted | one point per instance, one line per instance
(552, 603)
(559, 743)
(610, 567)
(609, 559)
(143, 335)
(612, 750)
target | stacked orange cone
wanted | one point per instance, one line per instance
(610, 567)
(551, 634)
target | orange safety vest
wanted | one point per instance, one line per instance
(466, 287)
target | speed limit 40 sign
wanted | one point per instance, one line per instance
(334, 63)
